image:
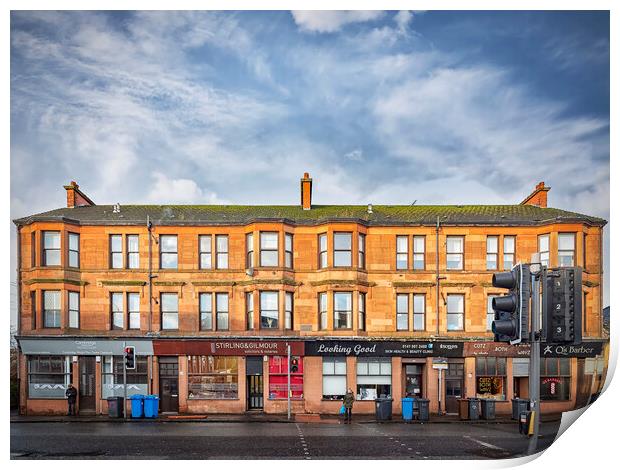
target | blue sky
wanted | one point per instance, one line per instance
(381, 107)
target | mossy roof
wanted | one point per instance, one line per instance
(381, 215)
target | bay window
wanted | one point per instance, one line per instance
(361, 309)
(322, 310)
(343, 310)
(269, 249)
(322, 250)
(566, 249)
(288, 310)
(361, 251)
(543, 249)
(51, 248)
(51, 309)
(249, 250)
(74, 250)
(342, 249)
(74, 309)
(288, 250)
(269, 310)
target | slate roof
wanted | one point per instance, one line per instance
(381, 216)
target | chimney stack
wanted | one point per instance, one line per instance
(538, 197)
(306, 192)
(75, 197)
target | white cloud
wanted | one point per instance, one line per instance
(332, 21)
(355, 155)
(402, 19)
(165, 190)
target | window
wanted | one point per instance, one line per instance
(51, 309)
(51, 248)
(221, 310)
(249, 250)
(133, 306)
(169, 311)
(33, 308)
(402, 312)
(48, 376)
(269, 309)
(492, 255)
(278, 377)
(509, 252)
(374, 378)
(33, 249)
(118, 313)
(361, 251)
(343, 310)
(490, 312)
(361, 309)
(402, 252)
(112, 376)
(268, 248)
(212, 377)
(419, 252)
(206, 311)
(74, 250)
(249, 309)
(543, 249)
(454, 256)
(555, 378)
(288, 310)
(288, 250)
(491, 377)
(566, 249)
(419, 312)
(323, 311)
(221, 251)
(74, 309)
(133, 252)
(342, 249)
(455, 311)
(168, 252)
(116, 251)
(322, 250)
(334, 378)
(206, 262)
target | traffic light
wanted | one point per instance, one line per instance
(130, 358)
(294, 364)
(512, 311)
(562, 306)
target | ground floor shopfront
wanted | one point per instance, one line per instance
(207, 376)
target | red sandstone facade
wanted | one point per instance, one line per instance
(103, 288)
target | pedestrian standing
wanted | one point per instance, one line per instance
(347, 401)
(71, 394)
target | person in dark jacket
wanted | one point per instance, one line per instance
(71, 394)
(347, 401)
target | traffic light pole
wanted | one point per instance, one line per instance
(534, 378)
(124, 383)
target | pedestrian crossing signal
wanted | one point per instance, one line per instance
(130, 358)
(294, 365)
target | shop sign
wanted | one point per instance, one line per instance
(229, 347)
(84, 347)
(384, 348)
(587, 349)
(489, 348)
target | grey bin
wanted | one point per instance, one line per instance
(469, 409)
(423, 409)
(519, 405)
(487, 408)
(115, 407)
(383, 409)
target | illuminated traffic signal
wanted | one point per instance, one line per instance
(130, 358)
(512, 311)
(562, 306)
(294, 365)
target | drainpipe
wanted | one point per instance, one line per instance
(437, 270)
(19, 280)
(149, 228)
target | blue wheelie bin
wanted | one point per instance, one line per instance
(151, 403)
(407, 409)
(137, 406)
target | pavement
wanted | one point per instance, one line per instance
(262, 418)
(271, 440)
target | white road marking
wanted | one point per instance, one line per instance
(485, 444)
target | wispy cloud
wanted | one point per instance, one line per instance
(331, 21)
